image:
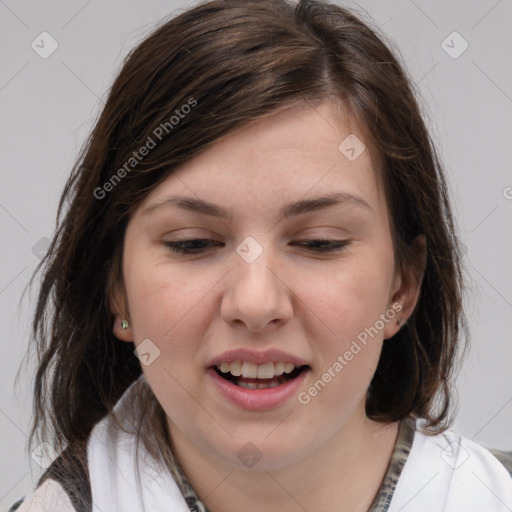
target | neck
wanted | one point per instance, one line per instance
(344, 474)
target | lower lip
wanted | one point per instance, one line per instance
(257, 399)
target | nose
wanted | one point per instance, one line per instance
(257, 296)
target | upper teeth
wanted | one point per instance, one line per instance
(256, 371)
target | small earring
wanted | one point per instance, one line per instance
(124, 324)
(399, 321)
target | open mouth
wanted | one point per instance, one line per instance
(253, 376)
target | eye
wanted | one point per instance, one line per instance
(190, 246)
(198, 245)
(324, 245)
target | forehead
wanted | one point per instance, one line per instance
(305, 150)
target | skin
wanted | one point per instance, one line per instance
(326, 455)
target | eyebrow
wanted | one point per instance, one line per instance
(288, 210)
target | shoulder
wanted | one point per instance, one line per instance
(48, 496)
(451, 473)
(64, 486)
(504, 457)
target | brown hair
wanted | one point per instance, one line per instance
(233, 61)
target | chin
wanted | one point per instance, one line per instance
(266, 450)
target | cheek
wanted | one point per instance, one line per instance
(348, 299)
(169, 307)
(348, 339)
(172, 311)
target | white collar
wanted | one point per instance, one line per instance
(113, 467)
(451, 473)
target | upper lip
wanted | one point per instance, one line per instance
(256, 357)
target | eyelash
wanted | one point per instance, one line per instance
(320, 245)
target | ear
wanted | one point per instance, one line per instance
(118, 307)
(407, 286)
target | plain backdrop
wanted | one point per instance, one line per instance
(48, 106)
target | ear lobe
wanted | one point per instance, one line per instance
(408, 289)
(118, 308)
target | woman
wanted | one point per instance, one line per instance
(254, 295)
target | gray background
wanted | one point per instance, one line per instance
(49, 106)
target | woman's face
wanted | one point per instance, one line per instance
(259, 297)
